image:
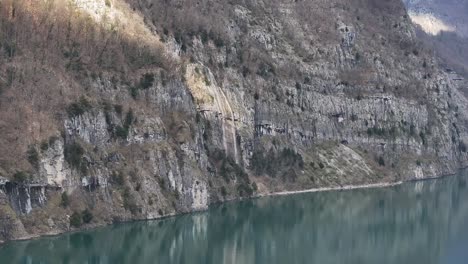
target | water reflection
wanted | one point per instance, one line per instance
(423, 222)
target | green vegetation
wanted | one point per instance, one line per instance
(118, 109)
(87, 216)
(44, 145)
(422, 135)
(162, 183)
(79, 108)
(20, 177)
(223, 191)
(52, 140)
(245, 190)
(285, 163)
(65, 200)
(129, 202)
(118, 178)
(75, 219)
(74, 156)
(33, 157)
(462, 146)
(231, 170)
(231, 173)
(123, 131)
(381, 161)
(377, 131)
(146, 81)
(133, 92)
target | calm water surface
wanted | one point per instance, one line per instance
(424, 222)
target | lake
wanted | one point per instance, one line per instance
(419, 222)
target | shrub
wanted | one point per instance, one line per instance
(207, 81)
(146, 81)
(254, 187)
(129, 118)
(219, 42)
(87, 216)
(118, 178)
(231, 170)
(52, 140)
(133, 92)
(79, 108)
(75, 219)
(412, 130)
(20, 177)
(129, 202)
(73, 155)
(118, 109)
(65, 200)
(256, 96)
(298, 86)
(44, 145)
(273, 163)
(381, 161)
(423, 138)
(462, 146)
(357, 56)
(33, 157)
(223, 191)
(245, 189)
(162, 183)
(121, 132)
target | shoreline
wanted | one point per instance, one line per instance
(329, 189)
(263, 195)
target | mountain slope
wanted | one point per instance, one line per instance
(142, 109)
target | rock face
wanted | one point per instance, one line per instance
(254, 99)
(11, 226)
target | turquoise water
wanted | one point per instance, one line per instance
(422, 222)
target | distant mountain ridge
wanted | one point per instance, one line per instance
(444, 27)
(452, 15)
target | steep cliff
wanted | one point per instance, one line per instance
(113, 110)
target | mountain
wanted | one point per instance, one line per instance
(435, 16)
(444, 27)
(120, 110)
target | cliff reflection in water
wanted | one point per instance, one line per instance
(412, 223)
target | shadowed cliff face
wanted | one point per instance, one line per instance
(142, 109)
